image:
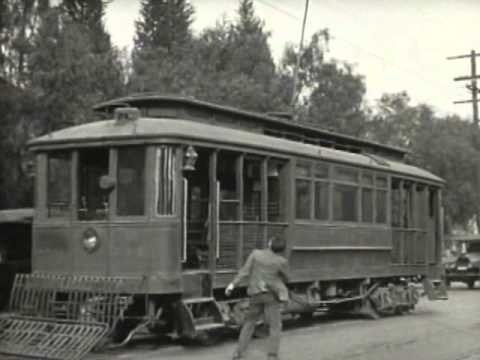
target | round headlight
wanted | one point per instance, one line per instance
(90, 240)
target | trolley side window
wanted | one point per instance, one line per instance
(92, 200)
(58, 184)
(345, 194)
(381, 199)
(165, 180)
(302, 190)
(131, 181)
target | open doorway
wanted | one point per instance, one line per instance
(197, 213)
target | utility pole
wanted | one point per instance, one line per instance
(299, 56)
(473, 82)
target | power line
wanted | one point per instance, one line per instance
(368, 52)
(283, 11)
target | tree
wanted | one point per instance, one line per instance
(15, 183)
(19, 21)
(64, 73)
(162, 46)
(90, 14)
(18, 24)
(237, 65)
(163, 24)
(331, 94)
(230, 63)
(445, 147)
(395, 121)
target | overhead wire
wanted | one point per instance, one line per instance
(381, 58)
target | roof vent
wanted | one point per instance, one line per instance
(125, 114)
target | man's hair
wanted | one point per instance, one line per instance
(277, 244)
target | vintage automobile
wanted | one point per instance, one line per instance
(465, 267)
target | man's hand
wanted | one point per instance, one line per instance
(229, 289)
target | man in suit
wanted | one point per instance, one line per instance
(266, 273)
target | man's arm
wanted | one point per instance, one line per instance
(284, 271)
(244, 272)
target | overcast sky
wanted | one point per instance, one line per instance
(396, 44)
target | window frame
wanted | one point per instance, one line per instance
(177, 181)
(42, 200)
(146, 190)
(76, 184)
(312, 178)
(343, 182)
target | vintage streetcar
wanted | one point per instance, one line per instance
(143, 218)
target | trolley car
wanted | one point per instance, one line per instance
(142, 219)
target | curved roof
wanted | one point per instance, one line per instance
(152, 129)
(141, 99)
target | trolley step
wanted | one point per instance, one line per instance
(198, 315)
(435, 289)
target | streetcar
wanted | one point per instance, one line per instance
(143, 217)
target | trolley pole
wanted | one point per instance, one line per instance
(473, 82)
(299, 56)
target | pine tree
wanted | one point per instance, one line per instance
(67, 75)
(90, 14)
(163, 24)
(251, 53)
(162, 58)
(18, 24)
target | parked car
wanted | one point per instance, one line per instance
(465, 267)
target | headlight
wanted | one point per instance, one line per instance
(90, 240)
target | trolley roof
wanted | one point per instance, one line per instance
(247, 119)
(151, 130)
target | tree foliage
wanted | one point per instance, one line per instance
(330, 93)
(161, 58)
(52, 73)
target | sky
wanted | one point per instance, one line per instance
(397, 45)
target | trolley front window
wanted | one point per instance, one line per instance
(131, 181)
(58, 184)
(92, 199)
